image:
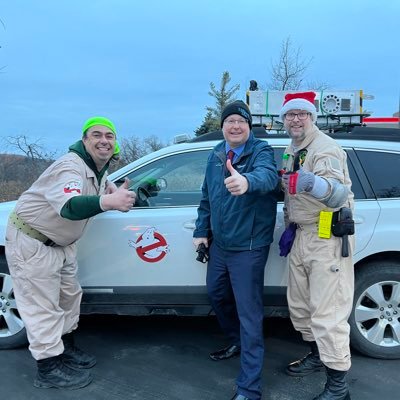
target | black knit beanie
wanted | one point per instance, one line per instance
(237, 107)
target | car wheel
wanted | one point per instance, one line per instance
(3, 261)
(12, 330)
(375, 319)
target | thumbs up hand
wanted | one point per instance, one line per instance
(236, 184)
(122, 199)
(111, 187)
(125, 185)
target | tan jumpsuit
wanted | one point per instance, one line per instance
(321, 281)
(46, 288)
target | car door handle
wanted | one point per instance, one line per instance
(358, 220)
(190, 225)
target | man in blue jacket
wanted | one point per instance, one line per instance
(238, 211)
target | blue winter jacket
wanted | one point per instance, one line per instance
(242, 222)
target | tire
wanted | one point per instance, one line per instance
(3, 261)
(12, 330)
(375, 319)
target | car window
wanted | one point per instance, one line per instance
(382, 169)
(174, 180)
(356, 186)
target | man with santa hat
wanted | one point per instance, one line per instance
(317, 186)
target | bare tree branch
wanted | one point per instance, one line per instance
(153, 143)
(30, 165)
(288, 72)
(33, 150)
(133, 148)
(318, 86)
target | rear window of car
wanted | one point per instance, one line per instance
(382, 170)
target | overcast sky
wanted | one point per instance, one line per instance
(147, 65)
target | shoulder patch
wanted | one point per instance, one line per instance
(73, 186)
(335, 163)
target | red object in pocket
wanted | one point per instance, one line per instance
(293, 182)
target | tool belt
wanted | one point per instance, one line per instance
(28, 230)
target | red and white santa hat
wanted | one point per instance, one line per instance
(299, 101)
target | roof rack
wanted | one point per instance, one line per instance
(357, 132)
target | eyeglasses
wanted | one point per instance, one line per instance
(231, 122)
(301, 116)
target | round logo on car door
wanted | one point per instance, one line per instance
(150, 246)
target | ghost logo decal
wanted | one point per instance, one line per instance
(150, 246)
(73, 186)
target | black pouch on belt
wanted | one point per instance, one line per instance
(342, 222)
(342, 226)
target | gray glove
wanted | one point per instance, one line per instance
(305, 181)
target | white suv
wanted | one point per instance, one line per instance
(143, 262)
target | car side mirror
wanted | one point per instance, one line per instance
(161, 184)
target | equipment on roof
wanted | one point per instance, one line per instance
(335, 108)
(340, 114)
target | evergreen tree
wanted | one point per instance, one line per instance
(223, 96)
(209, 124)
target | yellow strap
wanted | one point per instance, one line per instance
(25, 228)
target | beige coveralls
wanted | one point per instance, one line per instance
(321, 281)
(46, 288)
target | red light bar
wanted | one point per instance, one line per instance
(383, 120)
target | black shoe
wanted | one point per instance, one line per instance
(239, 397)
(52, 373)
(307, 365)
(73, 356)
(225, 353)
(336, 387)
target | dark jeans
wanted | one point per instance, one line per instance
(235, 283)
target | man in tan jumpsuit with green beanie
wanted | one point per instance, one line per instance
(41, 251)
(321, 277)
